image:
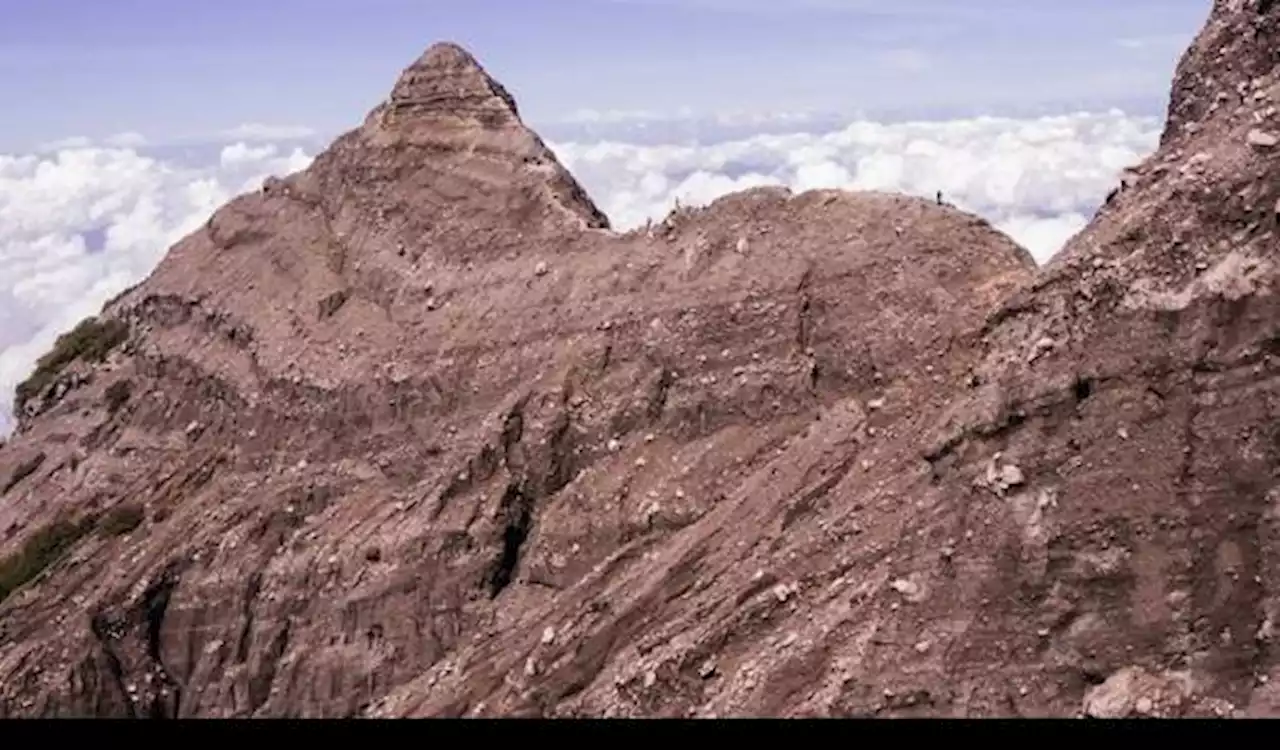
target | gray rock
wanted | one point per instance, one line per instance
(1262, 139)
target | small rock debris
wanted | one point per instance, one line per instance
(1262, 139)
(493, 503)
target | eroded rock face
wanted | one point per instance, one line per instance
(412, 433)
(414, 394)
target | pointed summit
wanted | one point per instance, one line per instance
(447, 81)
(448, 127)
(447, 53)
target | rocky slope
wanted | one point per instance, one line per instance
(414, 433)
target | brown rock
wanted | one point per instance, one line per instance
(645, 483)
(1135, 692)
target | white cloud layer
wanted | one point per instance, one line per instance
(1038, 179)
(82, 222)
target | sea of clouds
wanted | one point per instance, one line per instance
(80, 221)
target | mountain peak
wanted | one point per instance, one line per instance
(453, 123)
(447, 81)
(400, 436)
(448, 53)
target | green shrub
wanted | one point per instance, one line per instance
(91, 341)
(43, 549)
(117, 395)
(121, 520)
(22, 471)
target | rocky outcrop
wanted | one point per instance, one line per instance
(414, 433)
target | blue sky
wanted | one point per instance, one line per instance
(722, 95)
(179, 68)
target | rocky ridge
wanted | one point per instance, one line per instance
(414, 433)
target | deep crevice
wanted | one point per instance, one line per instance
(658, 397)
(246, 626)
(512, 434)
(101, 628)
(1083, 389)
(804, 323)
(155, 603)
(264, 677)
(561, 469)
(517, 513)
(804, 319)
(155, 606)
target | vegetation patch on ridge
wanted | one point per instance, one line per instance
(49, 544)
(22, 471)
(117, 395)
(121, 520)
(91, 341)
(42, 550)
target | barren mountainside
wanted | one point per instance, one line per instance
(414, 432)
